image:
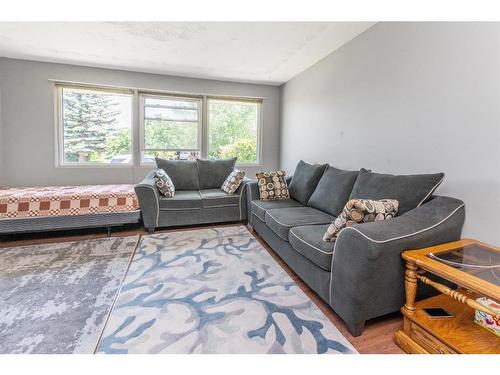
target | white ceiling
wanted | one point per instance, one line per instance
(260, 52)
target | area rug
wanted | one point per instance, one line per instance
(214, 291)
(55, 298)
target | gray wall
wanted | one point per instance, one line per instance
(407, 98)
(1, 140)
(27, 141)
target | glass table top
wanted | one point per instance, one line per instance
(474, 259)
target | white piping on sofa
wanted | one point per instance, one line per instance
(241, 195)
(258, 205)
(180, 209)
(383, 241)
(307, 243)
(430, 192)
(291, 225)
(157, 202)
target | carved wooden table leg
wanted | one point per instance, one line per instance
(410, 287)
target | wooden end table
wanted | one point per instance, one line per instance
(424, 334)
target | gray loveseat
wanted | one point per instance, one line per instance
(361, 274)
(198, 196)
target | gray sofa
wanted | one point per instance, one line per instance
(361, 274)
(198, 196)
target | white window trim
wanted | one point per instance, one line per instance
(137, 118)
(142, 108)
(260, 118)
(59, 124)
(203, 139)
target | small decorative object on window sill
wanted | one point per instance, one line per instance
(485, 320)
(272, 185)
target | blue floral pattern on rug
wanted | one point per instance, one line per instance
(214, 291)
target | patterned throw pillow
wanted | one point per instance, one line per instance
(272, 185)
(233, 181)
(361, 211)
(164, 184)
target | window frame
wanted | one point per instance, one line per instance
(137, 122)
(59, 110)
(259, 103)
(142, 130)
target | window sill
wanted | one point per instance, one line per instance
(148, 165)
(250, 165)
(77, 166)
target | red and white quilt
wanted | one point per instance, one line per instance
(66, 200)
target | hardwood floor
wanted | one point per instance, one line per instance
(377, 338)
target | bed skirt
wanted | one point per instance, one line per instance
(52, 223)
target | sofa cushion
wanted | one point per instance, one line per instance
(259, 207)
(272, 185)
(358, 211)
(164, 183)
(308, 241)
(182, 200)
(304, 180)
(213, 173)
(183, 173)
(409, 190)
(333, 190)
(218, 198)
(233, 181)
(280, 220)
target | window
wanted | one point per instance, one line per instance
(107, 126)
(95, 126)
(171, 127)
(233, 130)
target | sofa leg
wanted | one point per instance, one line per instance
(151, 230)
(356, 329)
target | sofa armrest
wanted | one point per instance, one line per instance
(252, 194)
(252, 191)
(367, 270)
(148, 197)
(243, 192)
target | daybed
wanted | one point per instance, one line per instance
(34, 209)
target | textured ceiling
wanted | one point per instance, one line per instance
(261, 52)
